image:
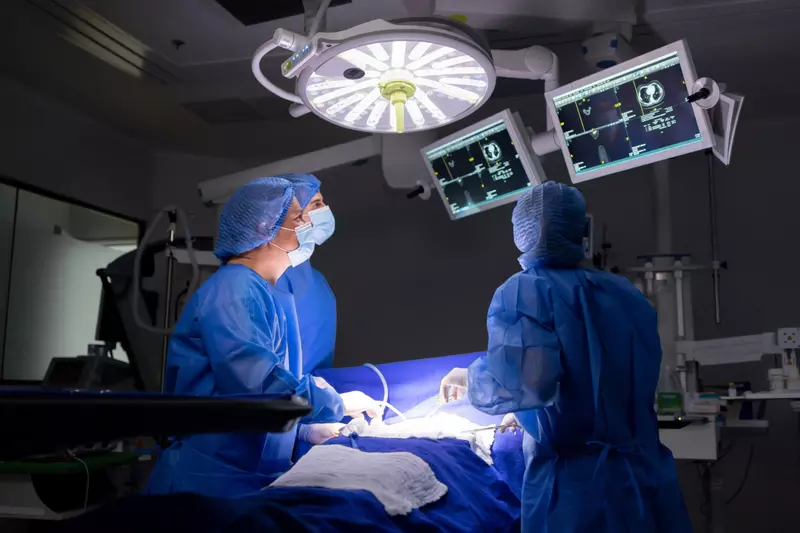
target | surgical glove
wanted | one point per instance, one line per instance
(356, 403)
(510, 423)
(319, 433)
(453, 386)
(321, 383)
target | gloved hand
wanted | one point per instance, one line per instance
(321, 383)
(454, 385)
(511, 421)
(357, 403)
(319, 433)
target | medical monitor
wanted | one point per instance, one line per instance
(630, 115)
(486, 165)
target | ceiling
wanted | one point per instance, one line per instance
(176, 73)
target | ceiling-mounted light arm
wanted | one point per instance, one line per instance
(280, 39)
(534, 63)
(293, 42)
(317, 21)
(298, 110)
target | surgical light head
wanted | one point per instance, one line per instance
(388, 77)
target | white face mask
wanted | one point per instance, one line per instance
(305, 238)
(323, 222)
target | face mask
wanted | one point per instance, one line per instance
(323, 222)
(305, 236)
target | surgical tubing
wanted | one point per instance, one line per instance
(385, 404)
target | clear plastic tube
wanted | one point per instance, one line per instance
(385, 404)
(392, 408)
(439, 404)
(383, 381)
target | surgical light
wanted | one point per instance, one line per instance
(386, 77)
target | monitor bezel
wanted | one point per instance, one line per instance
(516, 130)
(700, 115)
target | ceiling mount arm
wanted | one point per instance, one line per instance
(313, 25)
(534, 63)
(280, 39)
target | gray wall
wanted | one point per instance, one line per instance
(49, 145)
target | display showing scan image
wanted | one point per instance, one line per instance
(479, 168)
(628, 115)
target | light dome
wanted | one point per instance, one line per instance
(420, 75)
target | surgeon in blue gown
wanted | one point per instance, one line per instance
(314, 300)
(235, 338)
(575, 355)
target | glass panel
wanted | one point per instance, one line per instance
(55, 291)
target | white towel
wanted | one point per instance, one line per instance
(438, 426)
(401, 481)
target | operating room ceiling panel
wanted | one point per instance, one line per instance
(249, 12)
(536, 16)
(211, 34)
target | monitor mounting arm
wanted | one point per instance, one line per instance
(534, 63)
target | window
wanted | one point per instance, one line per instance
(50, 251)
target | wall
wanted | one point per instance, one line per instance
(175, 180)
(48, 145)
(757, 217)
(89, 225)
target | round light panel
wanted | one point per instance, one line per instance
(396, 86)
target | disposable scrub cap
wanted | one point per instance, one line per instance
(253, 216)
(549, 224)
(305, 187)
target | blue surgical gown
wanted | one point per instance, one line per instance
(575, 353)
(315, 306)
(234, 338)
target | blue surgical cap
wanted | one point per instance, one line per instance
(305, 187)
(549, 224)
(253, 216)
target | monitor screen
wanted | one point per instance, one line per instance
(483, 166)
(635, 116)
